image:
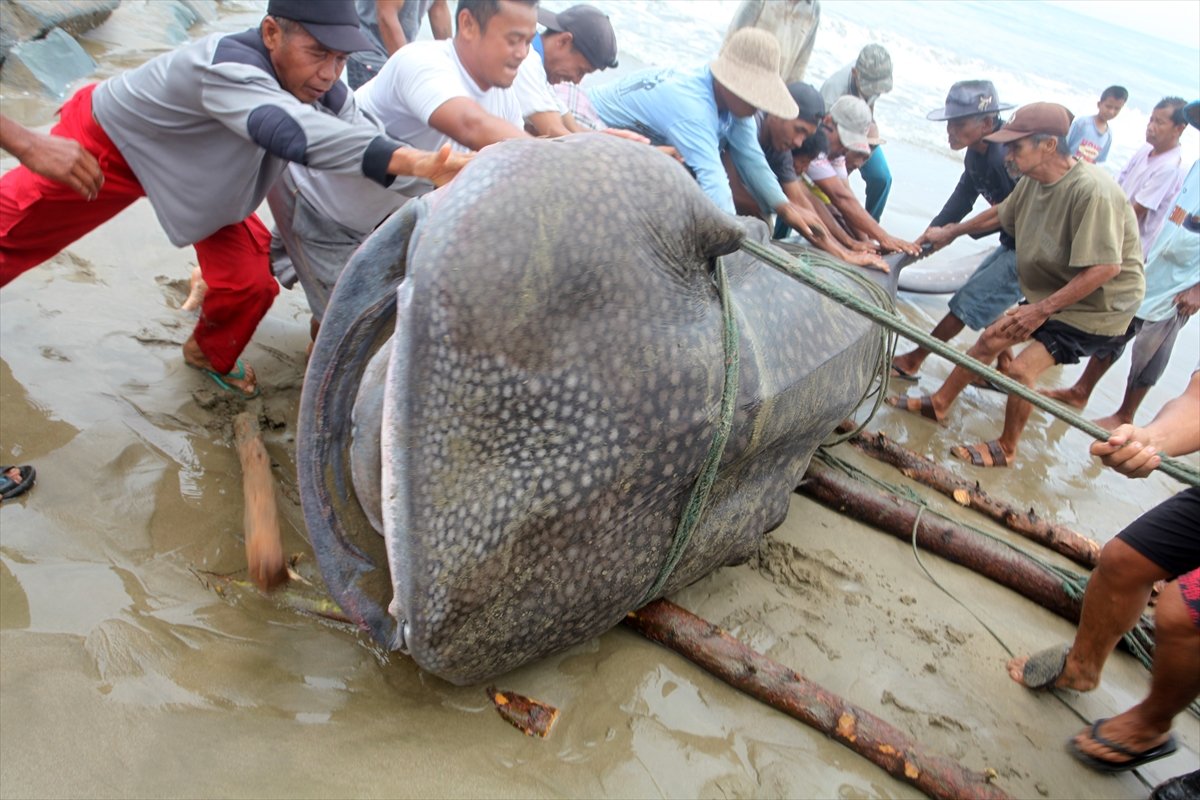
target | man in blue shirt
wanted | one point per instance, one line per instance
(701, 112)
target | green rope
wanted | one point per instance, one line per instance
(708, 471)
(1137, 640)
(800, 269)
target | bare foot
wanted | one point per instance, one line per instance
(1113, 421)
(1068, 397)
(242, 380)
(196, 290)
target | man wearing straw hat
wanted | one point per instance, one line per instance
(705, 110)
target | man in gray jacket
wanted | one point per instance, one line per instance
(203, 132)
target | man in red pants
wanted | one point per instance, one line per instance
(203, 132)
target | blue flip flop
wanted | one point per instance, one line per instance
(10, 488)
(238, 373)
(1134, 760)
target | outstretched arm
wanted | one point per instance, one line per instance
(1175, 431)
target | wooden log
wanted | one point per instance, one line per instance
(264, 551)
(780, 687)
(1059, 538)
(955, 543)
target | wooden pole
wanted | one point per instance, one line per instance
(264, 551)
(760, 677)
(955, 543)
(1059, 538)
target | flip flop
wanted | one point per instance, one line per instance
(901, 375)
(1043, 668)
(919, 404)
(238, 373)
(1134, 761)
(974, 454)
(10, 488)
(985, 383)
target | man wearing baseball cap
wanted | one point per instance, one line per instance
(1079, 265)
(846, 124)
(779, 138)
(972, 111)
(703, 111)
(869, 77)
(576, 43)
(203, 131)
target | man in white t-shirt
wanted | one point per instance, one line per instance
(576, 42)
(454, 93)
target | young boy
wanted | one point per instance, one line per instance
(1089, 137)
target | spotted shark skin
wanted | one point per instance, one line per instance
(516, 383)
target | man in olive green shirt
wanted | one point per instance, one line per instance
(1079, 264)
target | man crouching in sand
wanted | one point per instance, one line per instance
(203, 132)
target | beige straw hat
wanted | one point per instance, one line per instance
(749, 67)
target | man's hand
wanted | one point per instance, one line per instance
(804, 220)
(63, 160)
(621, 133)
(864, 246)
(439, 167)
(671, 151)
(1188, 301)
(939, 237)
(1126, 452)
(892, 244)
(869, 260)
(1020, 322)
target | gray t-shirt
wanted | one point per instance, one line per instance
(207, 129)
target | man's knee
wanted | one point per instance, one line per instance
(1121, 564)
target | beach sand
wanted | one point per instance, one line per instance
(123, 674)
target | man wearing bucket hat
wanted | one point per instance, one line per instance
(972, 111)
(869, 77)
(1079, 265)
(576, 43)
(846, 125)
(705, 110)
(203, 131)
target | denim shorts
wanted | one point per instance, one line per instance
(990, 291)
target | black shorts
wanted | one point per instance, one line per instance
(1169, 533)
(1068, 345)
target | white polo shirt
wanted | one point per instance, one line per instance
(416, 80)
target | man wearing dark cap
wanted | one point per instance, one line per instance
(868, 78)
(1079, 265)
(203, 132)
(576, 42)
(972, 112)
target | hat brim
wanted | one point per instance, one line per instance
(875, 88)
(851, 140)
(342, 38)
(548, 18)
(769, 94)
(943, 114)
(1007, 135)
(1192, 112)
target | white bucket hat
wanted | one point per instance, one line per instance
(748, 66)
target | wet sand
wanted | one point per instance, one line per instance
(123, 674)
